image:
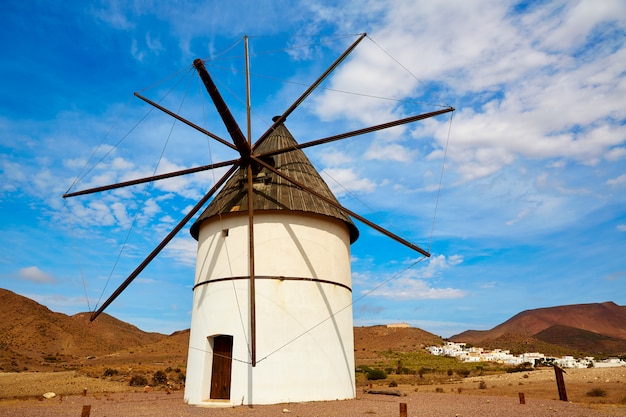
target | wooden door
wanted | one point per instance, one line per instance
(222, 365)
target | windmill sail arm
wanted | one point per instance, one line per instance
(313, 86)
(185, 121)
(241, 143)
(345, 210)
(152, 178)
(358, 132)
(164, 242)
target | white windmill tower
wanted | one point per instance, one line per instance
(271, 316)
(302, 289)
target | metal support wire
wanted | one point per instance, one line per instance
(443, 166)
(366, 294)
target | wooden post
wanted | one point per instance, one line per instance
(86, 411)
(560, 383)
(403, 412)
(522, 399)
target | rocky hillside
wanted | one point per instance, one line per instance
(368, 341)
(596, 329)
(32, 336)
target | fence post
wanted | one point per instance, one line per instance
(560, 383)
(403, 412)
(522, 399)
(86, 411)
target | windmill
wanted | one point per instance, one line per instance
(271, 315)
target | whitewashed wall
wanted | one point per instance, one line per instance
(304, 352)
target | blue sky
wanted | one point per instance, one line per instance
(531, 211)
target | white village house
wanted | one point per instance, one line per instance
(478, 354)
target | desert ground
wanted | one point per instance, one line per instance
(21, 394)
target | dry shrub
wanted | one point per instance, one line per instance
(596, 392)
(138, 381)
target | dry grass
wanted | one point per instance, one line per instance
(539, 384)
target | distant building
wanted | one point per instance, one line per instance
(398, 325)
(609, 363)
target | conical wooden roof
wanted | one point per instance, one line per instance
(272, 192)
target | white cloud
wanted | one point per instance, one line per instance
(414, 284)
(522, 214)
(153, 44)
(114, 14)
(436, 264)
(390, 152)
(183, 250)
(615, 154)
(34, 274)
(577, 21)
(538, 100)
(340, 179)
(335, 159)
(146, 280)
(617, 181)
(62, 303)
(121, 216)
(135, 51)
(414, 289)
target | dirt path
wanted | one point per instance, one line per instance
(418, 404)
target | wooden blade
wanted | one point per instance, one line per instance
(164, 242)
(153, 178)
(345, 210)
(359, 132)
(229, 121)
(304, 95)
(185, 121)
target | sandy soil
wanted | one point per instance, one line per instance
(21, 395)
(542, 384)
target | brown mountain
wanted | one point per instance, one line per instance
(32, 336)
(598, 328)
(519, 344)
(582, 340)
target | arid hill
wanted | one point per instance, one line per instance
(32, 336)
(598, 328)
(370, 340)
